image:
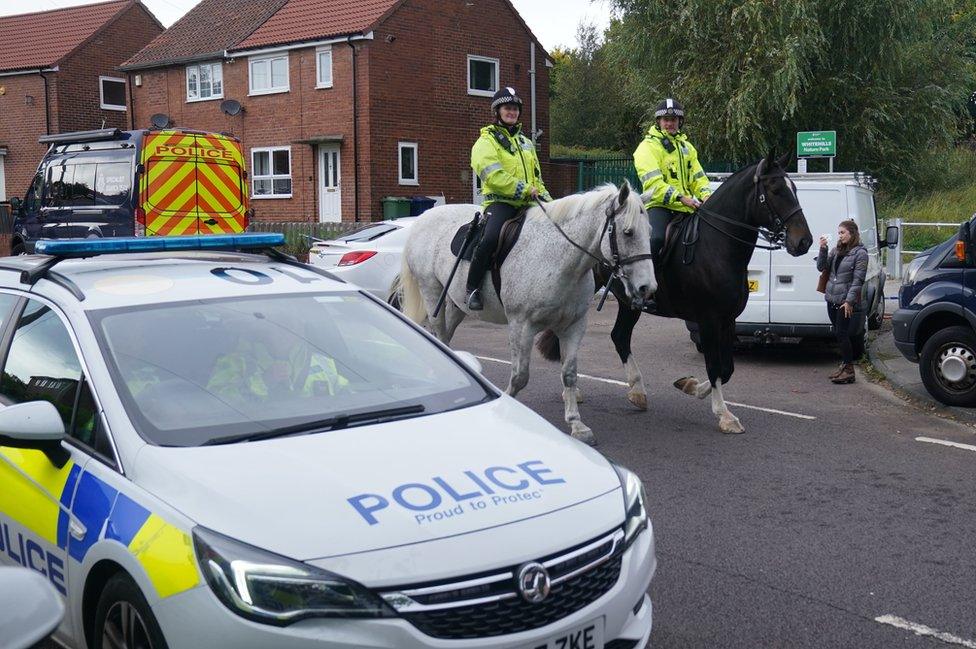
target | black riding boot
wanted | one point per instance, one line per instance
(480, 262)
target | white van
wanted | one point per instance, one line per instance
(783, 299)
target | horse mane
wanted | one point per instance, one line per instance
(563, 209)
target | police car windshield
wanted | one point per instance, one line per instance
(195, 372)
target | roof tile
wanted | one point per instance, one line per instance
(43, 38)
(209, 28)
(306, 20)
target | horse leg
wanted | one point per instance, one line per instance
(623, 331)
(453, 316)
(727, 422)
(709, 333)
(569, 346)
(520, 336)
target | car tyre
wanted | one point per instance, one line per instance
(123, 618)
(951, 349)
(18, 249)
(877, 316)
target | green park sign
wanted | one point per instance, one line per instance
(816, 144)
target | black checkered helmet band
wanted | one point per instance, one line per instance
(506, 96)
(669, 108)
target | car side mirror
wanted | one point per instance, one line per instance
(32, 609)
(34, 425)
(470, 360)
(891, 236)
(16, 204)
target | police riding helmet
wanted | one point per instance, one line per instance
(670, 108)
(504, 96)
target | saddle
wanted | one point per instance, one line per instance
(507, 239)
(682, 233)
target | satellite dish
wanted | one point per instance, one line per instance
(231, 107)
(160, 120)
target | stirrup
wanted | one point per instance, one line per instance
(474, 300)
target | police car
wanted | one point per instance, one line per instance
(204, 443)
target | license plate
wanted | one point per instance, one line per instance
(585, 636)
(753, 285)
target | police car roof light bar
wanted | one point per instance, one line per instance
(67, 248)
(81, 136)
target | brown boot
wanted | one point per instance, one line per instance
(837, 372)
(846, 374)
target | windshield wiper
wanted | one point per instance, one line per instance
(336, 422)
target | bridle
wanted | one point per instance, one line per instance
(776, 234)
(616, 264)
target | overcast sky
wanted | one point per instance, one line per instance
(553, 21)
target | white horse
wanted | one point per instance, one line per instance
(547, 279)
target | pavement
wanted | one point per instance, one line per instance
(901, 375)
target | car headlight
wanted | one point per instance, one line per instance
(272, 589)
(912, 269)
(634, 504)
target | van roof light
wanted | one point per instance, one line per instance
(93, 247)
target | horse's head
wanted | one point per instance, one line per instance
(626, 244)
(776, 207)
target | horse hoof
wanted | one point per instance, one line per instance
(687, 384)
(584, 434)
(639, 399)
(731, 426)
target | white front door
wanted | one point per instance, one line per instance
(330, 194)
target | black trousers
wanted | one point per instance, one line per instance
(660, 217)
(495, 216)
(850, 335)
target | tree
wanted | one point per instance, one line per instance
(890, 76)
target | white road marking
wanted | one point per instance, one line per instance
(626, 385)
(968, 447)
(921, 629)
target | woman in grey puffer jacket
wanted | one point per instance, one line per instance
(848, 264)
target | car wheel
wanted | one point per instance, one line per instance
(123, 619)
(948, 366)
(875, 319)
(18, 249)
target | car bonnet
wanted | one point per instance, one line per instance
(368, 500)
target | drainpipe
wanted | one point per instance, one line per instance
(532, 79)
(47, 105)
(355, 129)
(132, 105)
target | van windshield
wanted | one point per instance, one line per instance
(210, 370)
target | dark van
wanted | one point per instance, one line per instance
(111, 183)
(935, 324)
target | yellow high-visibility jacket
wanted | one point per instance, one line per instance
(508, 166)
(668, 166)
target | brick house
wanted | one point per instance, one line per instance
(340, 103)
(59, 72)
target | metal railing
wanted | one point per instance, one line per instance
(895, 257)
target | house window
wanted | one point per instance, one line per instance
(271, 172)
(323, 63)
(482, 76)
(408, 163)
(268, 74)
(112, 93)
(204, 81)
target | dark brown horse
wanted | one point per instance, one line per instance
(705, 281)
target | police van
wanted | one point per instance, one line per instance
(204, 443)
(783, 296)
(111, 183)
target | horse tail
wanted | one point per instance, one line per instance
(548, 345)
(411, 301)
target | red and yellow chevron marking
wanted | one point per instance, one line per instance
(192, 184)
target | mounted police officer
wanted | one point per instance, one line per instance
(506, 162)
(667, 165)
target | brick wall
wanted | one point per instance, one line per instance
(418, 65)
(284, 119)
(21, 123)
(73, 95)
